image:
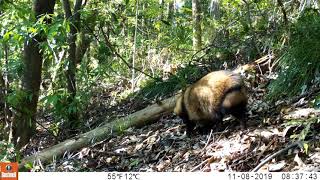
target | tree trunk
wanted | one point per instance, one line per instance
(220, 37)
(73, 120)
(284, 13)
(4, 134)
(24, 124)
(170, 12)
(215, 11)
(134, 49)
(196, 20)
(2, 89)
(3, 105)
(161, 4)
(81, 47)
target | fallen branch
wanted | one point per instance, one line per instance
(262, 64)
(297, 143)
(265, 149)
(137, 119)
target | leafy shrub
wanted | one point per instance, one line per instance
(300, 64)
(183, 77)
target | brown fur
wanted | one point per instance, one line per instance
(206, 102)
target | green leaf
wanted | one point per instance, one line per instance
(28, 165)
(32, 30)
(6, 36)
(157, 25)
(306, 147)
(316, 103)
(135, 162)
(305, 131)
(66, 25)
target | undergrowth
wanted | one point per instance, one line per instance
(155, 88)
(299, 65)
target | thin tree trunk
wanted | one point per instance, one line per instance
(218, 35)
(284, 13)
(24, 124)
(215, 11)
(196, 18)
(5, 132)
(2, 93)
(170, 12)
(81, 47)
(72, 49)
(133, 84)
(74, 19)
(254, 50)
(4, 87)
(161, 4)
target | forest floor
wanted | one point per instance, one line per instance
(164, 145)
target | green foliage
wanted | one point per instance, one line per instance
(7, 152)
(307, 125)
(316, 103)
(15, 98)
(61, 106)
(158, 88)
(134, 162)
(300, 64)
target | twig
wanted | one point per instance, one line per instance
(226, 130)
(262, 152)
(202, 163)
(108, 43)
(297, 143)
(208, 140)
(220, 133)
(212, 157)
(166, 151)
(181, 162)
(246, 157)
(51, 133)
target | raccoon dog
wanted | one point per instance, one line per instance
(207, 101)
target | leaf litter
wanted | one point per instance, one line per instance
(164, 146)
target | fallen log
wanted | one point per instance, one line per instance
(140, 118)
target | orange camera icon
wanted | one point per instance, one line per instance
(8, 171)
